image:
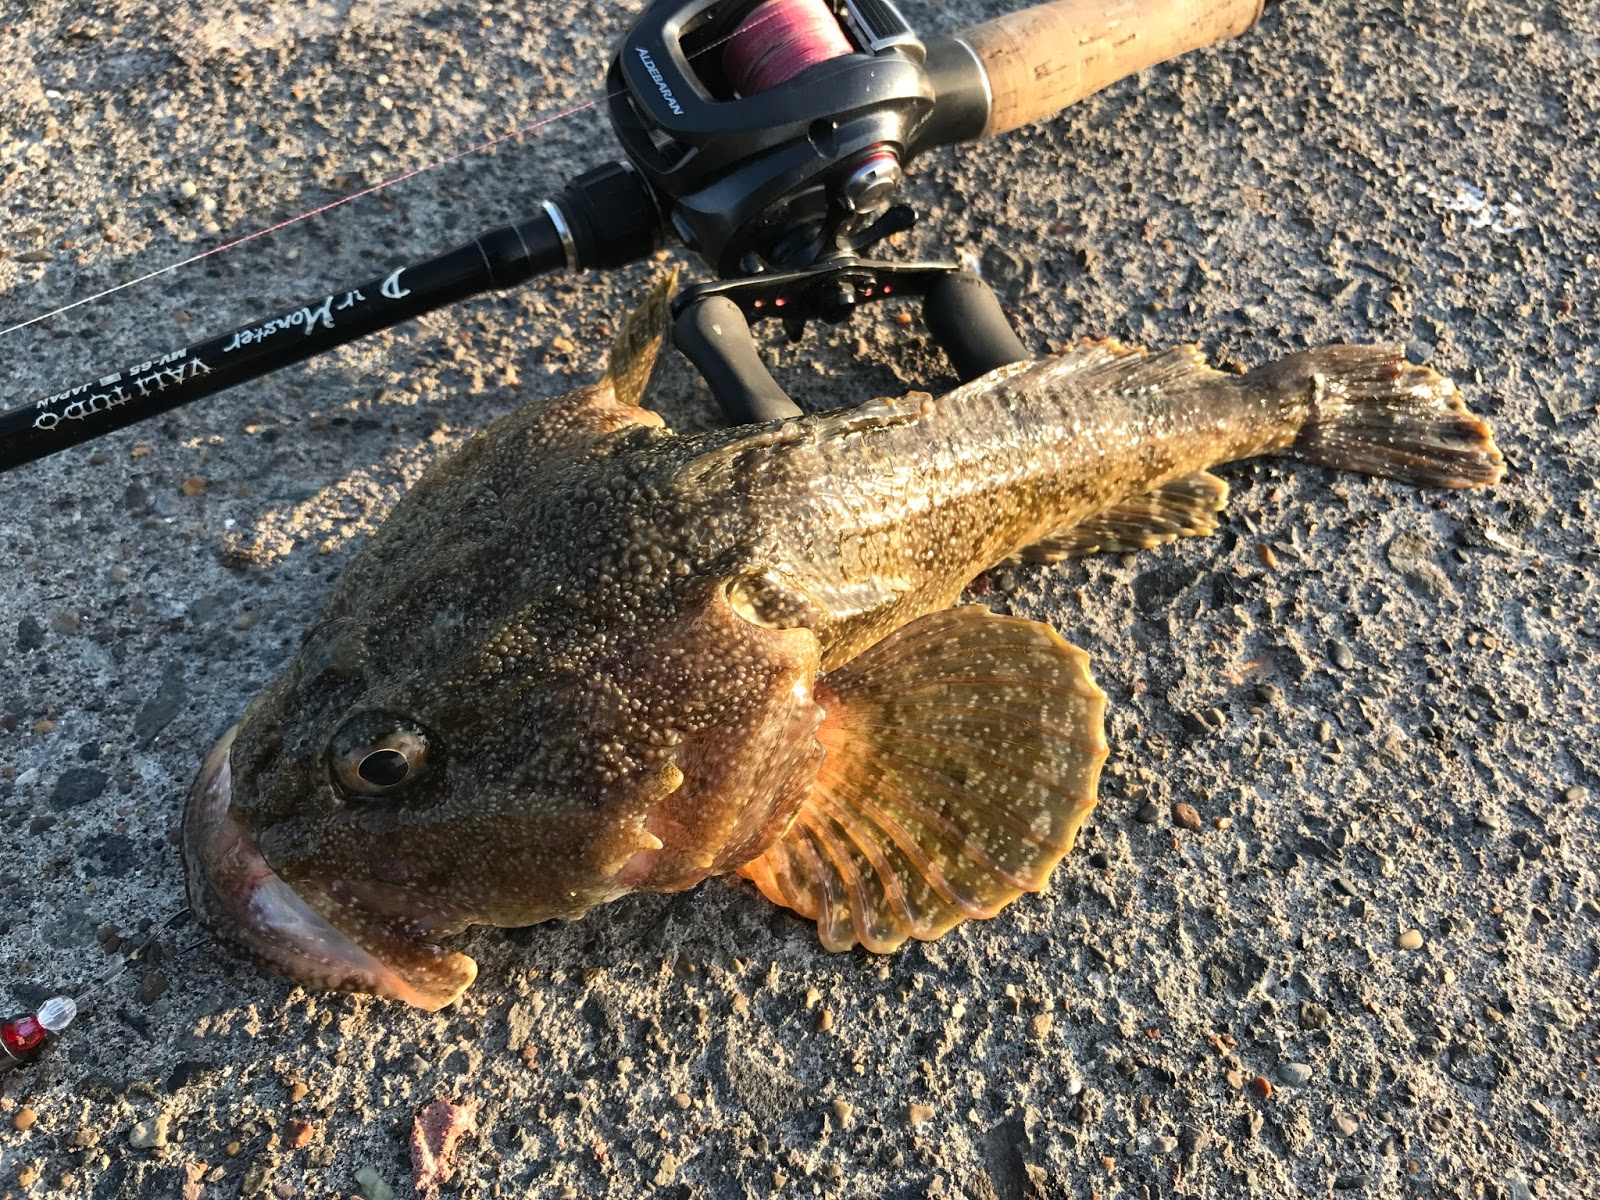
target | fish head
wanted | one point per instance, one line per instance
(523, 766)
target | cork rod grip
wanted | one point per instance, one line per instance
(1042, 59)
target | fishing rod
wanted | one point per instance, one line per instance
(769, 137)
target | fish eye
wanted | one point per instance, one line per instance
(377, 754)
(384, 768)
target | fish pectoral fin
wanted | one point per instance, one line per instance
(1185, 507)
(963, 753)
(638, 342)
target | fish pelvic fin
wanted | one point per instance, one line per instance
(963, 753)
(638, 342)
(1184, 507)
(1371, 411)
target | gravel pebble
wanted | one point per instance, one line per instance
(372, 1185)
(1295, 1074)
(149, 1133)
(1185, 815)
(1411, 939)
(1339, 655)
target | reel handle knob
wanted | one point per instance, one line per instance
(1043, 59)
(714, 335)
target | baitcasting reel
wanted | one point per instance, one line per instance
(768, 136)
(771, 135)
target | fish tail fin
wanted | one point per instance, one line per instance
(638, 342)
(1371, 411)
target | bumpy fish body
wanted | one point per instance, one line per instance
(586, 657)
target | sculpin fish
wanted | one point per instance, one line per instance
(586, 657)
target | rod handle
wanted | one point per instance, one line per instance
(1043, 59)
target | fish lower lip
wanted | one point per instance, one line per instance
(239, 897)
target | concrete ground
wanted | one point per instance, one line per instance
(1381, 702)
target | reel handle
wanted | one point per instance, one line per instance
(1044, 59)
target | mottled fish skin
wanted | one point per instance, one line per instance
(597, 644)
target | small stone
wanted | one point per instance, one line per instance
(30, 634)
(824, 1021)
(298, 1134)
(1148, 814)
(1411, 939)
(1235, 1080)
(1345, 1125)
(149, 1133)
(919, 1114)
(1185, 815)
(77, 786)
(1526, 29)
(298, 1091)
(188, 190)
(246, 619)
(1339, 654)
(67, 623)
(1039, 1028)
(1261, 1087)
(372, 1185)
(24, 1119)
(1314, 1016)
(152, 985)
(193, 486)
(232, 1149)
(1294, 1074)
(29, 1174)
(844, 1113)
(1576, 794)
(434, 1135)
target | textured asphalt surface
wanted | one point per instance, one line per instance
(1380, 703)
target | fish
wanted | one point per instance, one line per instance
(586, 657)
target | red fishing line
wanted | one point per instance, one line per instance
(778, 40)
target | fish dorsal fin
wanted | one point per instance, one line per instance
(962, 755)
(638, 342)
(1185, 507)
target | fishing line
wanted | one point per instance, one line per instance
(806, 34)
(777, 11)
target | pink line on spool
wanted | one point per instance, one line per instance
(793, 35)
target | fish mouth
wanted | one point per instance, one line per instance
(299, 932)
